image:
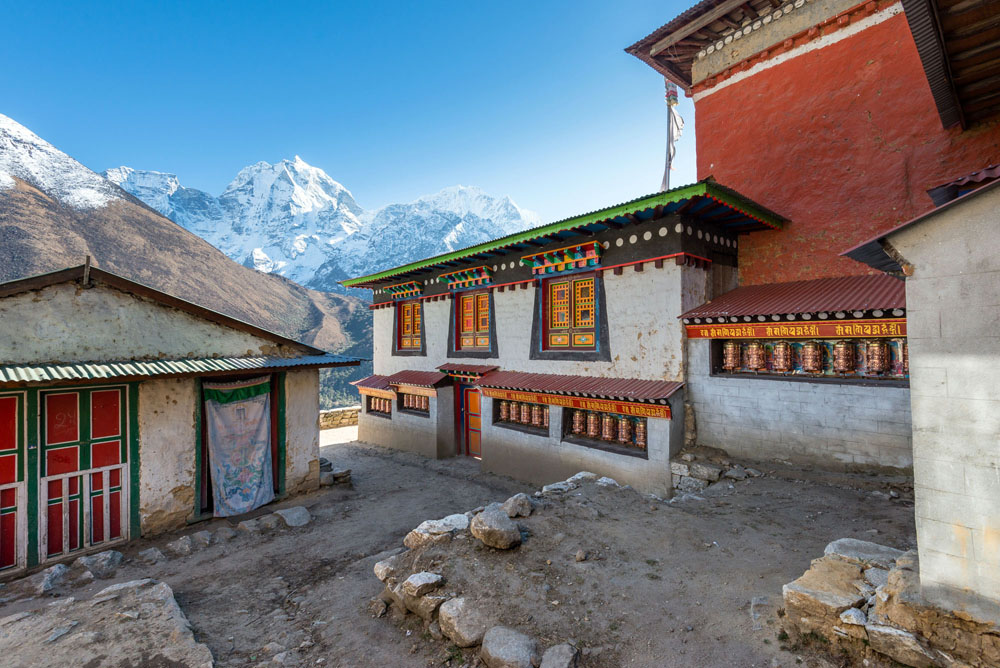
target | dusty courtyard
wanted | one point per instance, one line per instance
(696, 582)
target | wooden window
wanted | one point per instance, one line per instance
(570, 314)
(473, 317)
(409, 325)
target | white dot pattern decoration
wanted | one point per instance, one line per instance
(761, 318)
(806, 316)
(690, 231)
(619, 242)
(632, 239)
(494, 267)
(877, 313)
(897, 312)
(746, 318)
(823, 316)
(699, 234)
(647, 235)
(663, 231)
(678, 228)
(607, 244)
(858, 314)
(775, 317)
(715, 238)
(708, 320)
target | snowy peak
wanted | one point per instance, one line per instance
(473, 201)
(293, 183)
(25, 155)
(153, 188)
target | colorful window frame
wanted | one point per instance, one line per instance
(472, 317)
(569, 313)
(409, 323)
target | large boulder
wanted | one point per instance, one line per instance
(462, 622)
(507, 648)
(433, 531)
(518, 505)
(495, 528)
(864, 553)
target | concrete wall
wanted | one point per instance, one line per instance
(544, 459)
(641, 346)
(432, 435)
(953, 302)
(167, 436)
(67, 324)
(301, 431)
(808, 422)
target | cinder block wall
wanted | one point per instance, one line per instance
(818, 423)
(953, 299)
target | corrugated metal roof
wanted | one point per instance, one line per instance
(469, 368)
(991, 172)
(626, 389)
(848, 293)
(46, 373)
(375, 382)
(419, 378)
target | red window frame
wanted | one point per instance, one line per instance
(472, 320)
(569, 312)
(409, 326)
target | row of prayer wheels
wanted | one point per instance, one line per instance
(416, 402)
(535, 415)
(379, 405)
(875, 357)
(608, 427)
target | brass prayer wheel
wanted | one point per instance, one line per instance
(755, 356)
(640, 433)
(504, 410)
(609, 427)
(593, 425)
(525, 413)
(425, 403)
(407, 401)
(536, 415)
(876, 356)
(731, 355)
(515, 412)
(545, 416)
(782, 361)
(843, 357)
(812, 357)
(625, 431)
(578, 422)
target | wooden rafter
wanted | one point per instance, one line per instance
(701, 22)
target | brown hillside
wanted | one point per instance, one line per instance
(38, 235)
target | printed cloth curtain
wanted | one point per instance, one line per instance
(238, 418)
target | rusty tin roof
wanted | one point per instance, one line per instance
(847, 293)
(469, 369)
(623, 389)
(374, 382)
(418, 378)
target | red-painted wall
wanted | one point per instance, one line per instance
(844, 141)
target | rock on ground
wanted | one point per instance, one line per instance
(899, 645)
(129, 624)
(864, 552)
(815, 601)
(202, 538)
(386, 569)
(430, 531)
(462, 622)
(507, 648)
(422, 583)
(294, 517)
(103, 564)
(181, 546)
(151, 555)
(269, 522)
(43, 581)
(561, 656)
(518, 505)
(495, 528)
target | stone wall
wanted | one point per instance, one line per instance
(339, 417)
(953, 298)
(805, 422)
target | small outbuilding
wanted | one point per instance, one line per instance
(127, 411)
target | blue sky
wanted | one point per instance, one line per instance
(536, 100)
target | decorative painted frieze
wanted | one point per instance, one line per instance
(568, 258)
(405, 290)
(468, 278)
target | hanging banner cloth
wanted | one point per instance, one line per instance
(238, 417)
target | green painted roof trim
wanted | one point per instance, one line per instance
(702, 188)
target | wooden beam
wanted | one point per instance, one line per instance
(632, 218)
(613, 224)
(699, 23)
(580, 230)
(729, 22)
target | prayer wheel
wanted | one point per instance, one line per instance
(609, 427)
(545, 416)
(386, 406)
(578, 422)
(625, 431)
(782, 361)
(755, 356)
(812, 357)
(515, 412)
(504, 410)
(731, 355)
(594, 425)
(843, 357)
(640, 432)
(536, 415)
(425, 403)
(877, 356)
(407, 401)
(525, 413)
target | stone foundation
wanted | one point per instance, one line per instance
(339, 417)
(865, 601)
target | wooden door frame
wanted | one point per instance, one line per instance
(460, 420)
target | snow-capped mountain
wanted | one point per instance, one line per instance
(292, 219)
(25, 155)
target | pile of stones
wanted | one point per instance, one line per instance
(864, 600)
(459, 618)
(297, 516)
(693, 473)
(331, 476)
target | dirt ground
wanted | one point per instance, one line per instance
(696, 582)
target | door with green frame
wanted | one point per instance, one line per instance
(13, 495)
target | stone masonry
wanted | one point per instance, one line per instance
(339, 417)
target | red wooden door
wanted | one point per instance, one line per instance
(472, 421)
